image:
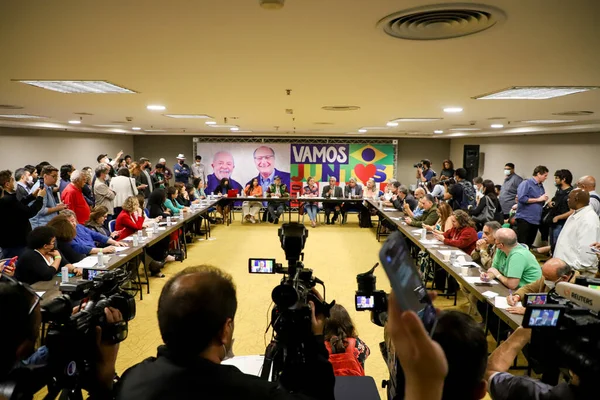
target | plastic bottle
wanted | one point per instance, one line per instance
(100, 259)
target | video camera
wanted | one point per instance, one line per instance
(368, 298)
(418, 165)
(71, 335)
(565, 328)
(291, 316)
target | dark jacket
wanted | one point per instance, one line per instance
(14, 216)
(358, 190)
(31, 267)
(409, 199)
(156, 206)
(498, 215)
(166, 377)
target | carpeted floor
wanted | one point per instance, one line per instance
(335, 253)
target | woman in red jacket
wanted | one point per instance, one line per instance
(462, 235)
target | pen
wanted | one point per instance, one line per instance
(509, 292)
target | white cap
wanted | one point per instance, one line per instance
(162, 161)
(181, 157)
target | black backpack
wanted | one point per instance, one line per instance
(469, 195)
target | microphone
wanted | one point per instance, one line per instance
(581, 295)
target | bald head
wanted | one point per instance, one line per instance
(506, 239)
(554, 269)
(587, 183)
(420, 192)
(578, 198)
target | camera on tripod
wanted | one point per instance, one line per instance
(565, 328)
(368, 298)
(291, 316)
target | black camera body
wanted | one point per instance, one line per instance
(418, 165)
(368, 298)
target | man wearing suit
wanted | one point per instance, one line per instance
(264, 160)
(330, 191)
(352, 190)
(145, 178)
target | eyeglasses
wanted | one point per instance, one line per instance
(12, 281)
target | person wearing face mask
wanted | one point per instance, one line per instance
(196, 312)
(478, 185)
(198, 169)
(15, 215)
(558, 209)
(181, 170)
(509, 189)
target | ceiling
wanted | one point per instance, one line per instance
(234, 59)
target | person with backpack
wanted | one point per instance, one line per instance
(461, 193)
(347, 353)
(489, 208)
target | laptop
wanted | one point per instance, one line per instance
(232, 193)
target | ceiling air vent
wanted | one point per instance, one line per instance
(340, 108)
(10, 107)
(441, 21)
(566, 113)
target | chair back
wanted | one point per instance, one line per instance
(111, 225)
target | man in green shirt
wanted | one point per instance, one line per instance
(429, 216)
(513, 264)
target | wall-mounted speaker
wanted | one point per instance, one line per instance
(471, 160)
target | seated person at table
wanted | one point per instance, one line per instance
(86, 241)
(171, 201)
(65, 233)
(462, 235)
(156, 204)
(351, 190)
(199, 189)
(41, 261)
(182, 195)
(371, 192)
(221, 190)
(485, 248)
(553, 271)
(429, 216)
(331, 191)
(97, 222)
(311, 190)
(250, 209)
(277, 189)
(347, 353)
(417, 211)
(401, 197)
(444, 222)
(190, 190)
(514, 265)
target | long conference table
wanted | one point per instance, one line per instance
(434, 248)
(51, 289)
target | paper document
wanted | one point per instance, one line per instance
(88, 262)
(251, 365)
(500, 302)
(489, 294)
(449, 252)
(40, 293)
(468, 264)
(476, 279)
(396, 218)
(389, 209)
(127, 239)
(120, 249)
(429, 241)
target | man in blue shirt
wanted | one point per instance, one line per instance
(531, 197)
(181, 170)
(50, 207)
(426, 173)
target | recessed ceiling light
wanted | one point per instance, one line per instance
(22, 116)
(210, 123)
(392, 123)
(223, 126)
(415, 119)
(438, 131)
(78, 86)
(136, 128)
(465, 129)
(534, 92)
(187, 116)
(246, 131)
(156, 107)
(497, 126)
(373, 128)
(457, 134)
(154, 130)
(362, 131)
(548, 121)
(234, 129)
(74, 121)
(452, 110)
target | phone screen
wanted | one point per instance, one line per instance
(261, 265)
(405, 280)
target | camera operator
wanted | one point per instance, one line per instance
(424, 171)
(196, 312)
(22, 317)
(503, 385)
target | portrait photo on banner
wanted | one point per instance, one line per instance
(242, 162)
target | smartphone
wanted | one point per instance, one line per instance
(532, 299)
(405, 280)
(543, 316)
(261, 265)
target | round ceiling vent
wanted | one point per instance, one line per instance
(574, 113)
(441, 21)
(10, 107)
(340, 108)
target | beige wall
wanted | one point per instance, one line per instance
(577, 152)
(19, 147)
(161, 146)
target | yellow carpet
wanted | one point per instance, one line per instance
(335, 253)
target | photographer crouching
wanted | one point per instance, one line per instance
(21, 374)
(196, 312)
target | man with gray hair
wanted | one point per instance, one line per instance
(417, 211)
(223, 165)
(513, 265)
(354, 191)
(103, 194)
(485, 247)
(73, 198)
(402, 197)
(331, 191)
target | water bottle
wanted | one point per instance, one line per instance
(423, 233)
(155, 227)
(380, 204)
(64, 271)
(140, 235)
(135, 241)
(168, 220)
(100, 259)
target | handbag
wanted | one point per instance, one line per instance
(488, 212)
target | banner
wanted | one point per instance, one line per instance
(294, 162)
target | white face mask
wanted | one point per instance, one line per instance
(506, 172)
(550, 284)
